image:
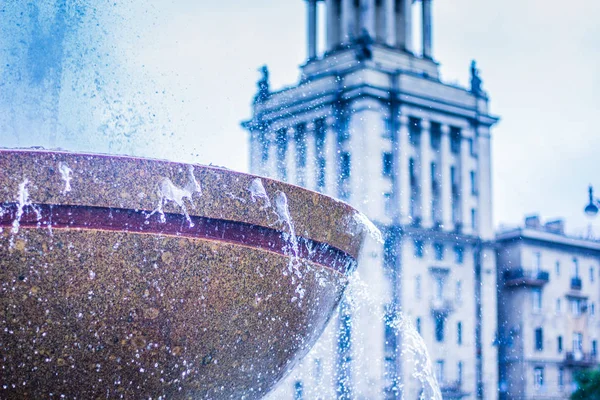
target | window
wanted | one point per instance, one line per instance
(473, 177)
(390, 335)
(459, 369)
(388, 127)
(536, 299)
(592, 308)
(575, 269)
(591, 274)
(577, 341)
(539, 339)
(455, 136)
(419, 248)
(345, 171)
(345, 166)
(561, 377)
(418, 323)
(538, 377)
(458, 254)
(434, 175)
(455, 190)
(439, 251)
(436, 134)
(439, 328)
(576, 306)
(387, 164)
(387, 202)
(411, 171)
(298, 390)
(320, 131)
(558, 306)
(536, 260)
(459, 333)
(414, 130)
(458, 292)
(560, 344)
(439, 288)
(473, 219)
(557, 268)
(594, 347)
(418, 287)
(439, 371)
(472, 147)
(281, 141)
(300, 139)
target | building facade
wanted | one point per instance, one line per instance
(371, 122)
(548, 297)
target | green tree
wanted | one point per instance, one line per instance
(588, 385)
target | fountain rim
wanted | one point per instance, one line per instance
(312, 224)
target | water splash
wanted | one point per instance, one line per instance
(22, 202)
(169, 192)
(360, 299)
(65, 173)
(257, 191)
(367, 225)
(283, 212)
(68, 79)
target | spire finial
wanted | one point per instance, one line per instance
(476, 81)
(263, 85)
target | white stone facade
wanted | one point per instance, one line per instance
(372, 124)
(548, 300)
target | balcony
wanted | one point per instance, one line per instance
(525, 277)
(452, 390)
(580, 359)
(576, 283)
(440, 307)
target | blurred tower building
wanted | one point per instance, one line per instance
(370, 122)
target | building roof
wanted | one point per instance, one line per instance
(549, 238)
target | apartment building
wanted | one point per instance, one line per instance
(548, 298)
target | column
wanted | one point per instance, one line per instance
(403, 173)
(348, 21)
(425, 145)
(390, 22)
(484, 183)
(333, 24)
(446, 192)
(427, 33)
(404, 25)
(463, 176)
(466, 200)
(367, 17)
(312, 29)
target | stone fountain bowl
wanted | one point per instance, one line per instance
(133, 278)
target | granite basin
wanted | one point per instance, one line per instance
(124, 277)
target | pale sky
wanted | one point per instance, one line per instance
(538, 58)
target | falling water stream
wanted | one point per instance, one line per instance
(65, 83)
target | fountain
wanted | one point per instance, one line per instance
(137, 278)
(125, 277)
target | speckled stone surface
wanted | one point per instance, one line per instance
(93, 311)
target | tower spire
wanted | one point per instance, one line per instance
(386, 22)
